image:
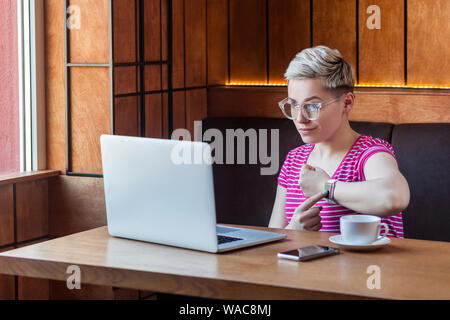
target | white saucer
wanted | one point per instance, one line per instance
(380, 242)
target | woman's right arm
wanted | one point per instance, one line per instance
(278, 217)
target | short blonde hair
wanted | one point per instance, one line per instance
(324, 63)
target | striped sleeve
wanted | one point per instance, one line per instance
(379, 146)
(285, 169)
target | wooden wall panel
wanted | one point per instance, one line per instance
(90, 117)
(217, 42)
(165, 97)
(178, 44)
(32, 209)
(402, 107)
(152, 30)
(75, 204)
(152, 78)
(164, 29)
(195, 42)
(126, 116)
(54, 84)
(6, 215)
(289, 33)
(32, 288)
(390, 105)
(125, 80)
(248, 50)
(195, 108)
(59, 291)
(124, 31)
(381, 51)
(7, 283)
(154, 115)
(245, 102)
(90, 43)
(428, 46)
(334, 25)
(179, 109)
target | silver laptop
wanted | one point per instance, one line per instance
(162, 191)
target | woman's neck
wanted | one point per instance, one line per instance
(338, 144)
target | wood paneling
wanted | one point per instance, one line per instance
(165, 116)
(32, 288)
(32, 209)
(401, 108)
(152, 30)
(179, 110)
(178, 44)
(152, 78)
(428, 46)
(125, 294)
(90, 43)
(154, 115)
(245, 102)
(334, 25)
(27, 176)
(59, 291)
(391, 105)
(75, 204)
(289, 33)
(125, 80)
(164, 29)
(7, 284)
(195, 109)
(217, 27)
(195, 26)
(126, 116)
(124, 31)
(90, 117)
(381, 51)
(54, 86)
(6, 215)
(248, 45)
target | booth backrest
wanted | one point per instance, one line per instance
(245, 196)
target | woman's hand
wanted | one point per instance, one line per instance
(312, 180)
(306, 217)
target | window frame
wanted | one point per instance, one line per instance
(31, 60)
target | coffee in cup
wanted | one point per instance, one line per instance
(362, 229)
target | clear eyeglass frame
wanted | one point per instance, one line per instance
(310, 110)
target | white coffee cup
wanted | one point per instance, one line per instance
(362, 229)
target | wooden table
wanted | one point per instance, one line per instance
(410, 269)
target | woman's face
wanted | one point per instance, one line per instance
(330, 115)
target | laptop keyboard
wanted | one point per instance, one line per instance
(225, 239)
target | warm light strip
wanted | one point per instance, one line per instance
(278, 84)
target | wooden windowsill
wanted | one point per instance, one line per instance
(27, 176)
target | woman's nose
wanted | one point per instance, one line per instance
(301, 118)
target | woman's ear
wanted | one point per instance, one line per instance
(349, 100)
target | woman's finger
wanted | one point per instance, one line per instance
(312, 222)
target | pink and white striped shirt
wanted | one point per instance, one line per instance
(351, 169)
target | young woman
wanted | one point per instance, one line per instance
(337, 171)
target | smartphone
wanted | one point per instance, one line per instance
(308, 253)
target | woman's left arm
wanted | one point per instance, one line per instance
(385, 191)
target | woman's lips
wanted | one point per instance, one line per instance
(306, 131)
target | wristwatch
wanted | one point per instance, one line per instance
(330, 186)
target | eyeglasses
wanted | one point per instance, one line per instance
(310, 110)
